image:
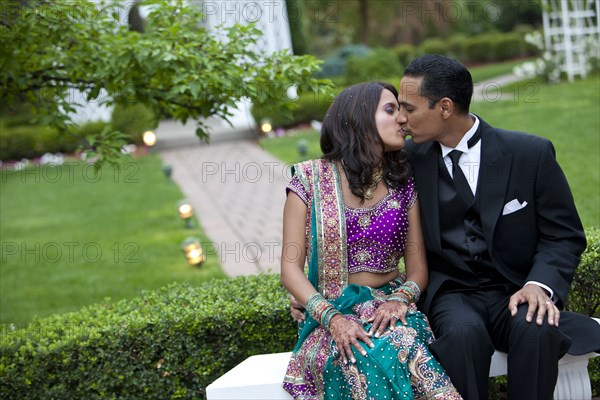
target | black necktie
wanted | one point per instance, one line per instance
(460, 181)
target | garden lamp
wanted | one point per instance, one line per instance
(168, 171)
(149, 139)
(193, 251)
(186, 212)
(266, 126)
(302, 147)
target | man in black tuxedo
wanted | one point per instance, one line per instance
(503, 238)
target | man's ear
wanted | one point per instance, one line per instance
(446, 106)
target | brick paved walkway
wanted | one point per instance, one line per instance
(238, 192)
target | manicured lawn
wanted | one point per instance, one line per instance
(489, 71)
(71, 237)
(565, 113)
(285, 147)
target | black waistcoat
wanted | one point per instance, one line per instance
(461, 230)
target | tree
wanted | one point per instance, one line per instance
(175, 67)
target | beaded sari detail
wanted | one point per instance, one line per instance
(400, 366)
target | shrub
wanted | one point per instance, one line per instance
(433, 46)
(336, 64)
(508, 45)
(332, 66)
(479, 48)
(404, 53)
(584, 297)
(456, 46)
(17, 143)
(31, 141)
(169, 343)
(379, 64)
(133, 120)
(354, 50)
(310, 107)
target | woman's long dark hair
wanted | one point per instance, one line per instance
(349, 134)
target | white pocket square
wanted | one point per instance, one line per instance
(513, 206)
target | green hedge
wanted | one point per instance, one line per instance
(379, 64)
(28, 141)
(20, 139)
(584, 296)
(173, 342)
(476, 49)
(310, 107)
(405, 53)
(433, 46)
(169, 343)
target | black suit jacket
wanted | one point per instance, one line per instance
(541, 242)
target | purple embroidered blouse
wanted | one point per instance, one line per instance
(376, 234)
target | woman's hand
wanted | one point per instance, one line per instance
(347, 333)
(388, 313)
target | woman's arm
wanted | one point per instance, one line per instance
(415, 259)
(415, 262)
(345, 333)
(293, 253)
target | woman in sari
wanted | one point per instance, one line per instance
(352, 215)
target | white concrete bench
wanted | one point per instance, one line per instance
(260, 377)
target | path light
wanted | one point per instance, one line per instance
(149, 138)
(168, 171)
(186, 212)
(193, 251)
(265, 126)
(302, 147)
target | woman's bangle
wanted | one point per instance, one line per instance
(416, 289)
(399, 296)
(320, 309)
(407, 293)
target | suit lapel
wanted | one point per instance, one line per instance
(493, 180)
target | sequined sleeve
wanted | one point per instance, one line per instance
(410, 193)
(299, 183)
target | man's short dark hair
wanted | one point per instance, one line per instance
(442, 77)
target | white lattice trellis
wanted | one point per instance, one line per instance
(570, 26)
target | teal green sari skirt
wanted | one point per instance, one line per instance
(400, 365)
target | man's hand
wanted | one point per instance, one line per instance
(296, 309)
(537, 299)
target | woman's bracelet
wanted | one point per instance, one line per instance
(407, 293)
(416, 289)
(399, 296)
(320, 309)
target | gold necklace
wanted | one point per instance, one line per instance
(377, 177)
